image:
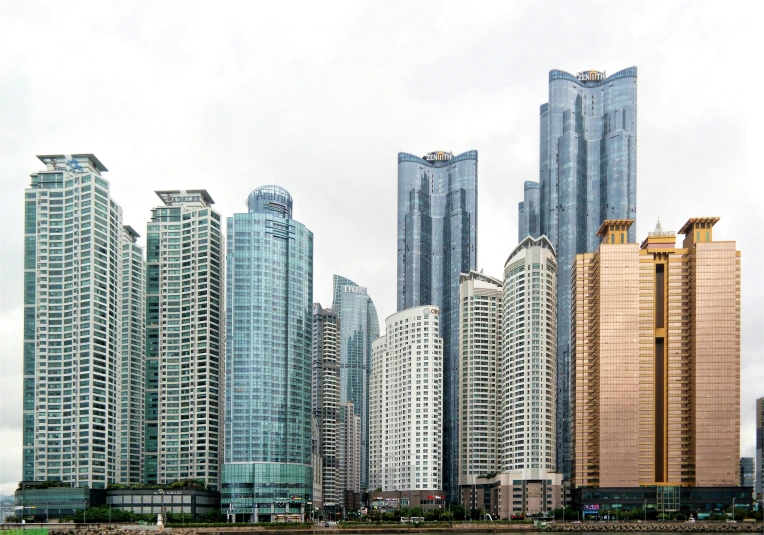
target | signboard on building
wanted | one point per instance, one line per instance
(591, 76)
(437, 156)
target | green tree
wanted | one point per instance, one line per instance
(457, 510)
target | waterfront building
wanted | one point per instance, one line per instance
(326, 398)
(71, 351)
(759, 445)
(132, 377)
(406, 403)
(317, 502)
(480, 376)
(525, 491)
(359, 326)
(267, 470)
(349, 451)
(587, 174)
(184, 324)
(529, 357)
(747, 472)
(656, 357)
(437, 242)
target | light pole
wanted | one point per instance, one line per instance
(733, 508)
(109, 513)
(644, 509)
(84, 506)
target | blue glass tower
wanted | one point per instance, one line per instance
(359, 327)
(587, 174)
(267, 468)
(437, 242)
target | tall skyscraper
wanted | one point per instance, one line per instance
(72, 274)
(747, 472)
(528, 215)
(184, 325)
(529, 363)
(479, 376)
(656, 358)
(759, 445)
(587, 174)
(132, 377)
(326, 397)
(437, 242)
(349, 451)
(406, 399)
(359, 326)
(268, 463)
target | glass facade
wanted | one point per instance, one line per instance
(759, 445)
(587, 174)
(359, 327)
(437, 242)
(268, 441)
(72, 286)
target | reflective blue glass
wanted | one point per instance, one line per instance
(437, 242)
(587, 173)
(359, 327)
(268, 440)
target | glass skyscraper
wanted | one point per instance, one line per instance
(72, 295)
(267, 468)
(437, 242)
(587, 174)
(359, 327)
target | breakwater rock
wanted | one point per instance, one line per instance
(663, 527)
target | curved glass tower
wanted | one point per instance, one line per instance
(587, 174)
(437, 242)
(267, 468)
(359, 327)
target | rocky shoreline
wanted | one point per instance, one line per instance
(654, 527)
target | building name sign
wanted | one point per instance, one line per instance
(355, 290)
(437, 156)
(166, 492)
(591, 76)
(187, 198)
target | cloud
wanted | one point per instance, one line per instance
(320, 98)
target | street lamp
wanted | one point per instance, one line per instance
(733, 508)
(644, 509)
(84, 506)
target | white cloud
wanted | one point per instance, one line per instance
(320, 97)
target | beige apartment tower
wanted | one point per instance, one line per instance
(655, 360)
(480, 365)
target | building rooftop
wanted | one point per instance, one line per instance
(48, 158)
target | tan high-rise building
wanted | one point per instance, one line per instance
(655, 360)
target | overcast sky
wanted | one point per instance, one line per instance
(319, 97)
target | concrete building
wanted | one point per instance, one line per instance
(587, 174)
(268, 464)
(72, 324)
(326, 398)
(132, 381)
(349, 451)
(526, 491)
(184, 327)
(747, 472)
(437, 242)
(529, 357)
(656, 357)
(480, 367)
(359, 326)
(406, 400)
(759, 445)
(317, 502)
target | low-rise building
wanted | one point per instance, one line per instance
(516, 492)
